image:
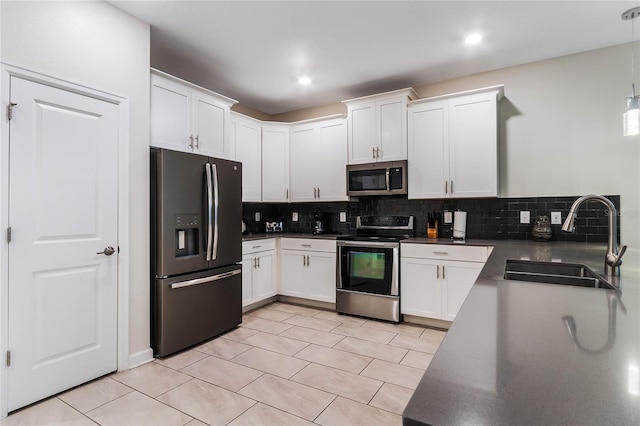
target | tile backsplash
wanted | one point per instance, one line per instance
(487, 218)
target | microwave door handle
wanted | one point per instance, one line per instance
(387, 179)
(207, 168)
(216, 205)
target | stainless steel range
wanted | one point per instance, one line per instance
(368, 272)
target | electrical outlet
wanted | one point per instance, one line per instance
(257, 217)
(448, 217)
(294, 217)
(525, 216)
(556, 218)
(343, 216)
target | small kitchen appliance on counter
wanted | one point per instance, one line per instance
(319, 224)
(273, 227)
(368, 270)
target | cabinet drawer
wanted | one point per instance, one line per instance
(255, 246)
(444, 252)
(308, 244)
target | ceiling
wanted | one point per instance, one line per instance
(254, 51)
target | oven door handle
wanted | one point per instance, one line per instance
(372, 244)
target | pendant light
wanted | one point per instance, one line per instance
(631, 118)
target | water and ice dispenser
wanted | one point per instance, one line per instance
(187, 235)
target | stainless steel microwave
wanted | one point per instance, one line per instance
(384, 178)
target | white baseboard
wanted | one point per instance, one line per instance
(141, 357)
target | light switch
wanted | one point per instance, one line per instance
(257, 216)
(294, 217)
(448, 217)
(556, 218)
(525, 216)
(343, 216)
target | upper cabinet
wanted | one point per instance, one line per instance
(245, 134)
(378, 127)
(275, 162)
(318, 160)
(453, 145)
(187, 118)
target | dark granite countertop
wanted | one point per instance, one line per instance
(250, 237)
(509, 359)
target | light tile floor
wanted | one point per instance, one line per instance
(285, 365)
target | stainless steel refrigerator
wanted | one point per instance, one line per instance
(196, 249)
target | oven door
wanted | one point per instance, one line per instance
(368, 267)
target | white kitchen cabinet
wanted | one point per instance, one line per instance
(275, 162)
(378, 127)
(436, 279)
(187, 118)
(258, 270)
(308, 269)
(453, 145)
(245, 134)
(318, 150)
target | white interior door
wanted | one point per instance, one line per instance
(62, 211)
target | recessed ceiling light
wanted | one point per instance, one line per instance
(304, 81)
(473, 39)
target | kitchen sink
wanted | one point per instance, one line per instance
(573, 274)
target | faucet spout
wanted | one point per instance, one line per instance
(613, 257)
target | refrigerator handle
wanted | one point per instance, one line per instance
(207, 168)
(197, 281)
(216, 204)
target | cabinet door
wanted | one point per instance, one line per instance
(473, 146)
(321, 276)
(460, 277)
(208, 120)
(331, 142)
(421, 290)
(428, 169)
(248, 151)
(170, 115)
(247, 279)
(275, 164)
(293, 273)
(392, 128)
(362, 133)
(263, 282)
(304, 161)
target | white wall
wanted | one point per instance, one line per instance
(561, 131)
(99, 46)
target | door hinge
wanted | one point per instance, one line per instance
(10, 110)
(9, 234)
(8, 358)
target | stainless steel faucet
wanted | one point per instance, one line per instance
(613, 258)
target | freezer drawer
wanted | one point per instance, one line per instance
(192, 308)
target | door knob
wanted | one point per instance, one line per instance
(107, 251)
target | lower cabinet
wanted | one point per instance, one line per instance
(308, 269)
(258, 270)
(436, 279)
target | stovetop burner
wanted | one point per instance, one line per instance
(382, 228)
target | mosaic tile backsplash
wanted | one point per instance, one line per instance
(487, 218)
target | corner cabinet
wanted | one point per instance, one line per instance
(436, 279)
(378, 127)
(308, 269)
(245, 134)
(258, 270)
(275, 162)
(453, 145)
(187, 118)
(318, 150)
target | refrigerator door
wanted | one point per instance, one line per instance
(178, 212)
(224, 195)
(190, 309)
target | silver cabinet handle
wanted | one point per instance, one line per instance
(387, 179)
(314, 193)
(287, 196)
(108, 251)
(443, 277)
(378, 152)
(437, 271)
(305, 245)
(191, 141)
(373, 149)
(254, 263)
(452, 187)
(446, 186)
(318, 192)
(443, 253)
(206, 279)
(258, 262)
(308, 259)
(304, 260)
(256, 247)
(197, 141)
